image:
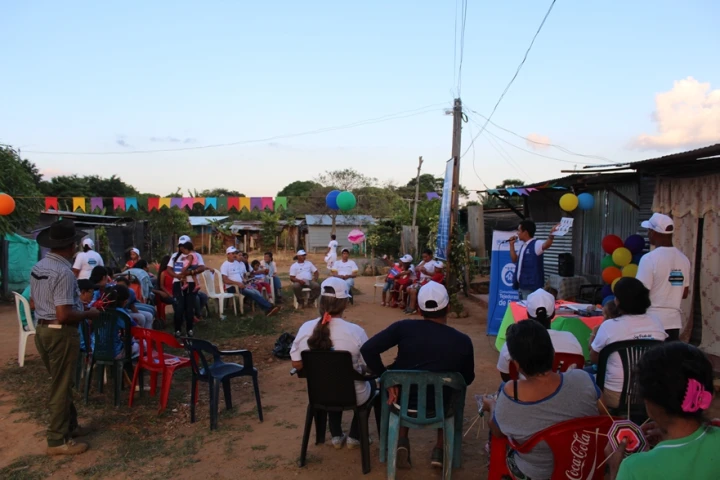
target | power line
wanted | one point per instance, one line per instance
(503, 153)
(384, 118)
(462, 45)
(502, 95)
(473, 163)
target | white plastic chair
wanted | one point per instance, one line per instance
(379, 283)
(306, 292)
(213, 292)
(20, 302)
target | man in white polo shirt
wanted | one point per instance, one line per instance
(665, 271)
(86, 260)
(303, 274)
(347, 270)
(233, 275)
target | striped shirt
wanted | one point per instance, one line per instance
(52, 284)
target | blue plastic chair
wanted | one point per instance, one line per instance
(392, 418)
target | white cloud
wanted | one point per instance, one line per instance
(687, 116)
(537, 141)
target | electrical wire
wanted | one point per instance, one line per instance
(462, 45)
(507, 157)
(517, 72)
(455, 35)
(384, 118)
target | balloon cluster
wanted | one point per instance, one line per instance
(7, 204)
(570, 201)
(337, 200)
(622, 260)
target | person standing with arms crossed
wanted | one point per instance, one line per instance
(59, 311)
(529, 269)
(665, 271)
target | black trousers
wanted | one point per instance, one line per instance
(184, 306)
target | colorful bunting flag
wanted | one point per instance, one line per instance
(96, 203)
(164, 202)
(211, 202)
(153, 204)
(531, 189)
(119, 203)
(187, 202)
(233, 202)
(51, 203)
(244, 203)
(266, 203)
(199, 200)
(512, 191)
(432, 196)
(131, 202)
(222, 204)
(78, 202)
(492, 191)
(255, 203)
(280, 202)
(176, 202)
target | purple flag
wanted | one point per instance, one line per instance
(255, 202)
(96, 203)
(176, 202)
(432, 195)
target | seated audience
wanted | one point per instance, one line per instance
(540, 399)
(331, 332)
(118, 296)
(634, 323)
(164, 282)
(346, 270)
(428, 269)
(676, 381)
(399, 277)
(142, 316)
(258, 279)
(428, 344)
(144, 279)
(233, 277)
(87, 291)
(303, 274)
(134, 258)
(270, 269)
(541, 308)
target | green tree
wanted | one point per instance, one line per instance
(298, 188)
(33, 171)
(269, 230)
(490, 201)
(347, 179)
(19, 183)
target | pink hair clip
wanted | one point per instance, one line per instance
(696, 398)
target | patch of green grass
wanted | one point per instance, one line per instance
(234, 327)
(31, 467)
(125, 452)
(286, 424)
(261, 448)
(268, 463)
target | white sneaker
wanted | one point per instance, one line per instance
(354, 443)
(338, 442)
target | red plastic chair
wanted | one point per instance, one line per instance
(576, 452)
(153, 359)
(561, 363)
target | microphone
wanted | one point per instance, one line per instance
(502, 242)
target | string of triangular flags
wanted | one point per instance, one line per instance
(219, 204)
(523, 191)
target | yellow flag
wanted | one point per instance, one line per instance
(245, 203)
(78, 202)
(164, 202)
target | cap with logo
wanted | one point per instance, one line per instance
(540, 299)
(88, 243)
(137, 252)
(659, 223)
(432, 297)
(184, 239)
(301, 252)
(406, 258)
(339, 287)
(230, 250)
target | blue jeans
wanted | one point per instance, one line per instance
(254, 295)
(277, 285)
(350, 283)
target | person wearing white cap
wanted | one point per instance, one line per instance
(233, 277)
(429, 344)
(428, 269)
(665, 271)
(346, 270)
(331, 332)
(134, 258)
(86, 260)
(541, 308)
(399, 277)
(184, 284)
(303, 274)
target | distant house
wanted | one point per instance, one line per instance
(320, 227)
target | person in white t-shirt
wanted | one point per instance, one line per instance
(303, 274)
(634, 323)
(331, 332)
(345, 269)
(541, 308)
(428, 269)
(233, 277)
(86, 260)
(665, 271)
(331, 255)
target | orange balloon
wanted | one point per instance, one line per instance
(7, 204)
(610, 274)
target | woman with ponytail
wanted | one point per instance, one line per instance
(331, 332)
(541, 308)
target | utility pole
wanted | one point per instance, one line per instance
(417, 191)
(455, 199)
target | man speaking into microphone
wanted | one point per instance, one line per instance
(529, 270)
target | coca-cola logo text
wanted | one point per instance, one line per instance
(579, 449)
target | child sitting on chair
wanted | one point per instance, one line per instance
(118, 297)
(258, 279)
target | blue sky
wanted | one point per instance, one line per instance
(101, 77)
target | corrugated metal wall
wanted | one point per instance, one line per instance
(560, 245)
(318, 237)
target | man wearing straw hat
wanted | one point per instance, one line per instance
(59, 310)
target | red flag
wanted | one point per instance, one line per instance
(233, 202)
(51, 203)
(118, 203)
(153, 203)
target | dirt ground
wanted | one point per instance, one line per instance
(242, 445)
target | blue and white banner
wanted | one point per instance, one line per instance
(502, 272)
(443, 235)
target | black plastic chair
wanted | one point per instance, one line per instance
(590, 294)
(331, 388)
(105, 330)
(216, 374)
(630, 351)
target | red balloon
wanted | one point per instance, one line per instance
(610, 274)
(611, 243)
(7, 204)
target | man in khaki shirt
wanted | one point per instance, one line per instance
(58, 311)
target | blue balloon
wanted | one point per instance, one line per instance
(635, 243)
(331, 200)
(637, 257)
(606, 291)
(586, 201)
(608, 299)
